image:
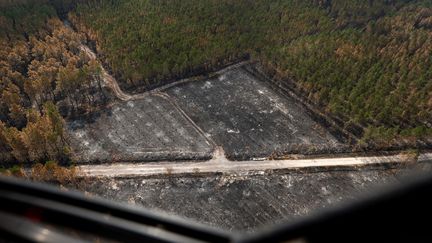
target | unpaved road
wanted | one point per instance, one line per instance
(219, 164)
(112, 83)
(110, 80)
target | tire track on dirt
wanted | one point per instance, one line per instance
(165, 96)
(220, 164)
(112, 83)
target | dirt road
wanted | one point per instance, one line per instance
(109, 80)
(219, 164)
(112, 83)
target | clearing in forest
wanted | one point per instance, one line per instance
(185, 121)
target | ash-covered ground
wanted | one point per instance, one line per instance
(148, 129)
(247, 202)
(249, 119)
(235, 110)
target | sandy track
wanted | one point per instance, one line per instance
(219, 164)
(112, 83)
(109, 80)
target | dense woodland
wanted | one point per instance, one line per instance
(44, 77)
(368, 62)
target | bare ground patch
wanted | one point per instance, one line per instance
(250, 120)
(149, 129)
(245, 202)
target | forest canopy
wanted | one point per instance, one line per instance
(44, 77)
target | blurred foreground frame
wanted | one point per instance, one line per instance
(34, 212)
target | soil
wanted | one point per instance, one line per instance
(186, 120)
(249, 119)
(148, 129)
(247, 201)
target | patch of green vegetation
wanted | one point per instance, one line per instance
(147, 42)
(24, 19)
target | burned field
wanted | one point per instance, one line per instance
(249, 201)
(251, 120)
(234, 110)
(149, 129)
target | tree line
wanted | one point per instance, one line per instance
(44, 77)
